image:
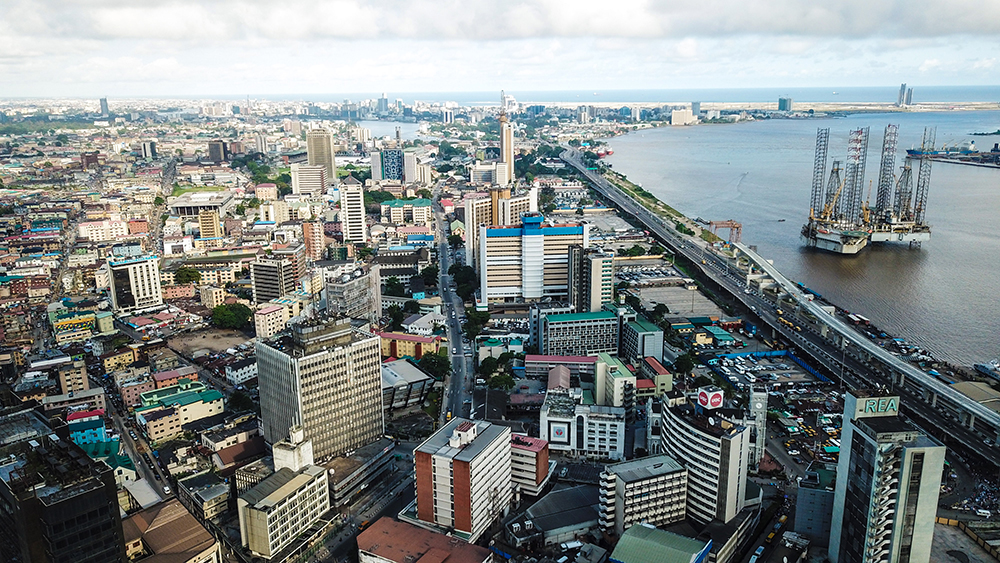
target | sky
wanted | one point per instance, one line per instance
(162, 48)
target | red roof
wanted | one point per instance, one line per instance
(84, 414)
(561, 359)
(644, 384)
(527, 443)
(400, 542)
(656, 365)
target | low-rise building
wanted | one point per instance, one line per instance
(279, 508)
(168, 533)
(205, 495)
(173, 377)
(404, 385)
(352, 475)
(399, 345)
(270, 320)
(591, 431)
(392, 541)
(530, 467)
(643, 543)
(241, 371)
(651, 489)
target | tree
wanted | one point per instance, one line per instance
(502, 381)
(185, 275)
(488, 366)
(241, 210)
(684, 364)
(240, 402)
(425, 193)
(158, 201)
(430, 275)
(394, 287)
(236, 316)
(474, 322)
(579, 211)
(411, 307)
(396, 317)
(437, 365)
(455, 241)
(636, 250)
(660, 310)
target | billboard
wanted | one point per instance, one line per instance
(559, 432)
(711, 397)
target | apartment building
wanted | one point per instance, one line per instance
(651, 490)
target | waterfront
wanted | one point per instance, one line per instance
(942, 296)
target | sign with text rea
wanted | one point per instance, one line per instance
(877, 406)
(710, 398)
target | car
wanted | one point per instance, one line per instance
(156, 476)
(793, 452)
(759, 551)
(166, 489)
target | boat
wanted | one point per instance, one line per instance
(991, 369)
(781, 220)
(968, 147)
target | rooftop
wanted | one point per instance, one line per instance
(439, 442)
(271, 491)
(571, 317)
(645, 468)
(401, 372)
(560, 359)
(404, 543)
(522, 442)
(169, 531)
(643, 543)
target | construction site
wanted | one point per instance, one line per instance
(842, 218)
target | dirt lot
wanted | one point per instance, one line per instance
(681, 302)
(212, 340)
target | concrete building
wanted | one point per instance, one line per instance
(784, 104)
(562, 515)
(212, 297)
(400, 211)
(209, 225)
(351, 475)
(652, 490)
(167, 533)
(352, 212)
(814, 502)
(190, 204)
(270, 320)
(387, 164)
(205, 495)
(325, 376)
(135, 283)
(614, 384)
(507, 146)
(277, 275)
(640, 339)
(241, 371)
(499, 207)
(579, 334)
(529, 463)
(715, 451)
(309, 179)
(591, 278)
(282, 506)
(357, 295)
(643, 543)
(682, 117)
(404, 385)
(314, 239)
(165, 411)
(537, 366)
(320, 149)
(392, 541)
(399, 345)
(888, 481)
(582, 430)
(73, 377)
(463, 477)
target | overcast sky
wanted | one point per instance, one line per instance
(87, 48)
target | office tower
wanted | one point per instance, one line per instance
(387, 165)
(696, 109)
(278, 274)
(208, 224)
(149, 149)
(758, 413)
(314, 239)
(309, 179)
(528, 261)
(651, 490)
(413, 171)
(591, 278)
(507, 147)
(383, 104)
(463, 476)
(500, 208)
(325, 376)
(715, 450)
(217, 151)
(529, 463)
(320, 151)
(104, 107)
(260, 141)
(901, 98)
(357, 295)
(276, 211)
(784, 104)
(888, 480)
(135, 282)
(814, 502)
(352, 212)
(58, 504)
(909, 97)
(578, 334)
(281, 507)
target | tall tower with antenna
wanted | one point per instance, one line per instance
(506, 141)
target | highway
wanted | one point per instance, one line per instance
(856, 372)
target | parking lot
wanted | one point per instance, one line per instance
(680, 301)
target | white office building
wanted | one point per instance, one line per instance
(309, 179)
(279, 508)
(651, 490)
(135, 283)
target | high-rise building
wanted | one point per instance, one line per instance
(352, 212)
(208, 224)
(357, 295)
(217, 151)
(888, 480)
(309, 179)
(314, 239)
(528, 261)
(104, 107)
(149, 149)
(260, 141)
(652, 490)
(135, 282)
(909, 97)
(784, 104)
(463, 476)
(387, 164)
(500, 208)
(758, 413)
(696, 109)
(383, 104)
(321, 151)
(591, 278)
(325, 376)
(529, 463)
(278, 274)
(715, 450)
(59, 504)
(507, 146)
(901, 98)
(578, 334)
(814, 502)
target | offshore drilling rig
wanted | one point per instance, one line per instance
(841, 218)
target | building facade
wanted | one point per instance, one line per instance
(352, 213)
(591, 278)
(652, 490)
(320, 149)
(282, 506)
(309, 179)
(579, 334)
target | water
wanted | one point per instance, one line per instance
(943, 296)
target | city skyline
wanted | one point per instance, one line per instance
(184, 49)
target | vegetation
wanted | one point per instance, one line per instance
(455, 241)
(474, 322)
(488, 366)
(235, 316)
(396, 317)
(466, 280)
(502, 381)
(684, 364)
(240, 402)
(411, 307)
(394, 287)
(185, 275)
(157, 201)
(437, 365)
(430, 275)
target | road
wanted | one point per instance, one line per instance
(458, 385)
(848, 363)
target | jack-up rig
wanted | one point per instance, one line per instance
(840, 217)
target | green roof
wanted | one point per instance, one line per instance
(646, 544)
(570, 317)
(617, 368)
(588, 397)
(644, 326)
(719, 333)
(109, 452)
(419, 202)
(84, 425)
(190, 397)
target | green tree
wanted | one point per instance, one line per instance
(684, 364)
(236, 316)
(437, 365)
(455, 241)
(241, 210)
(394, 287)
(579, 211)
(424, 193)
(411, 307)
(430, 275)
(488, 366)
(240, 402)
(660, 311)
(636, 250)
(396, 317)
(185, 275)
(502, 381)
(158, 201)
